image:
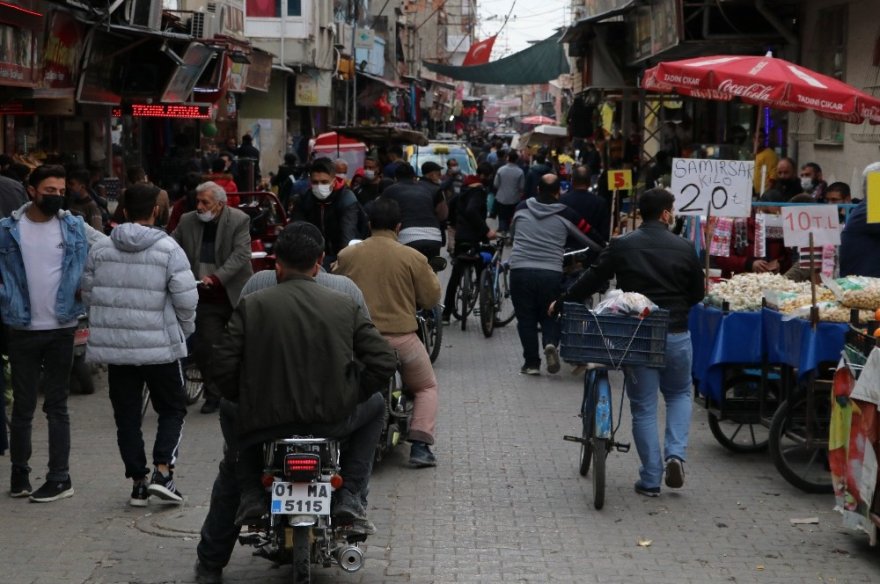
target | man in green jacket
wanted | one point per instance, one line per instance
(303, 360)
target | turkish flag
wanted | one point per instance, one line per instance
(479, 53)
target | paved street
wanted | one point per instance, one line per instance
(506, 503)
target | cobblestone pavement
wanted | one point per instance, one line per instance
(506, 503)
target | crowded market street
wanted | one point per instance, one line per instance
(504, 504)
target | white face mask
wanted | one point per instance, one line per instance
(341, 175)
(322, 191)
(807, 184)
(369, 174)
(206, 217)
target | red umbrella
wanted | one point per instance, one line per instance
(765, 81)
(537, 120)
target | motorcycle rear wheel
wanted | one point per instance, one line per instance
(302, 562)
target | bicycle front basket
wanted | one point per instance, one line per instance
(612, 339)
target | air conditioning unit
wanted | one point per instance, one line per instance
(140, 13)
(203, 25)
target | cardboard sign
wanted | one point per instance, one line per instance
(720, 187)
(620, 180)
(874, 197)
(820, 220)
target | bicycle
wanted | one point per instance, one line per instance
(467, 292)
(496, 306)
(599, 340)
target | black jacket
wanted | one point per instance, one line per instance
(468, 215)
(653, 262)
(298, 354)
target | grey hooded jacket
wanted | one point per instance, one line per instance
(539, 234)
(142, 298)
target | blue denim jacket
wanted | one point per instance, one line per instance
(14, 298)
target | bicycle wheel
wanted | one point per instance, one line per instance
(487, 303)
(587, 419)
(798, 443)
(741, 430)
(464, 293)
(504, 313)
(600, 453)
(435, 331)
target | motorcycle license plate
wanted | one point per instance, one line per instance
(300, 498)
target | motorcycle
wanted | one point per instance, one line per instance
(398, 415)
(301, 474)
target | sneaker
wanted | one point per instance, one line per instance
(19, 484)
(252, 506)
(348, 506)
(162, 486)
(674, 473)
(445, 321)
(206, 575)
(140, 496)
(420, 455)
(52, 491)
(210, 406)
(641, 489)
(529, 370)
(551, 354)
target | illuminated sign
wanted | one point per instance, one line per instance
(163, 110)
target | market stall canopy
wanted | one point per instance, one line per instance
(542, 135)
(764, 81)
(383, 134)
(537, 120)
(540, 63)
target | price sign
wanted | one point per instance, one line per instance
(620, 180)
(820, 220)
(874, 197)
(720, 187)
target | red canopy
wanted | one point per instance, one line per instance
(537, 120)
(765, 81)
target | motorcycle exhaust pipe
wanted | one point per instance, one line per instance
(350, 558)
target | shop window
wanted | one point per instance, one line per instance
(831, 35)
(273, 8)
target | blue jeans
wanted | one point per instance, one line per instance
(674, 382)
(532, 291)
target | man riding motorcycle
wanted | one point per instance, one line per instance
(266, 362)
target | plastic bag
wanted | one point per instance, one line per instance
(859, 292)
(629, 303)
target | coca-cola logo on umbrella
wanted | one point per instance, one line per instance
(754, 91)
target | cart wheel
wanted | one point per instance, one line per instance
(741, 430)
(798, 443)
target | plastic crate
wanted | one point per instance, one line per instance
(611, 339)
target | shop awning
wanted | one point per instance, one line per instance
(383, 134)
(539, 63)
(386, 82)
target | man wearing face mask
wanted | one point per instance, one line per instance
(665, 268)
(217, 242)
(373, 183)
(332, 208)
(811, 181)
(45, 254)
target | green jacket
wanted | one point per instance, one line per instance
(298, 354)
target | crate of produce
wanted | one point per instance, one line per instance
(612, 339)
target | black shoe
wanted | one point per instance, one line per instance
(252, 507)
(641, 489)
(52, 491)
(530, 370)
(206, 575)
(362, 527)
(420, 455)
(140, 496)
(19, 484)
(162, 486)
(348, 506)
(210, 406)
(674, 473)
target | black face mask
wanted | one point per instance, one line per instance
(50, 205)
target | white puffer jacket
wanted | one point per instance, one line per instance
(141, 296)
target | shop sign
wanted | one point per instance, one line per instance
(260, 70)
(17, 53)
(364, 39)
(313, 88)
(195, 61)
(16, 108)
(598, 7)
(653, 29)
(237, 80)
(99, 80)
(801, 221)
(722, 188)
(163, 110)
(62, 51)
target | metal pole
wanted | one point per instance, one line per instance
(354, 23)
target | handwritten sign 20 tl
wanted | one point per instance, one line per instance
(799, 221)
(720, 187)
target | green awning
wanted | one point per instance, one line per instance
(540, 63)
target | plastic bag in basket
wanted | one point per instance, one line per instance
(629, 303)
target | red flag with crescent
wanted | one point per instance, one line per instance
(479, 52)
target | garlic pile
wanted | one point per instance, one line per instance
(745, 291)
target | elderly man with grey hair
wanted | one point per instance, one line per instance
(217, 243)
(860, 240)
